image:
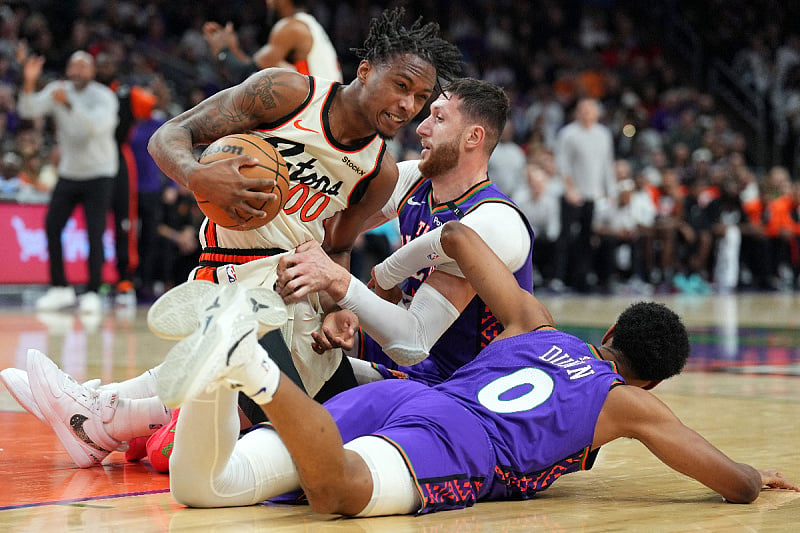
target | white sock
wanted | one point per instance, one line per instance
(137, 418)
(259, 378)
(142, 386)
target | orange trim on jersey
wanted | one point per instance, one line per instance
(302, 66)
(206, 274)
(229, 258)
(210, 232)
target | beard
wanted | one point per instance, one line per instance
(440, 159)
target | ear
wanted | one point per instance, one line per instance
(474, 137)
(362, 73)
(609, 334)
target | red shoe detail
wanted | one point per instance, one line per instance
(159, 445)
(137, 449)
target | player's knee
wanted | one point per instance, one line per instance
(188, 491)
(187, 486)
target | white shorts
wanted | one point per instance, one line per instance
(305, 317)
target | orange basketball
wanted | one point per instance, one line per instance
(270, 165)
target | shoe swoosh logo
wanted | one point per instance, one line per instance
(76, 423)
(297, 125)
(236, 345)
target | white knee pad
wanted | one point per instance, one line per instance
(393, 489)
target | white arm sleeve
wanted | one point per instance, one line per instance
(500, 225)
(406, 335)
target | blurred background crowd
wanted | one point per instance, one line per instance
(701, 100)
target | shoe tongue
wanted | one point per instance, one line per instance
(108, 405)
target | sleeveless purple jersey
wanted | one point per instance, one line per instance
(538, 396)
(476, 326)
(504, 426)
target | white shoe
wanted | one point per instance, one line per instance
(226, 342)
(75, 412)
(90, 303)
(56, 298)
(176, 314)
(16, 381)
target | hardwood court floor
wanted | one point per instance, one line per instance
(741, 390)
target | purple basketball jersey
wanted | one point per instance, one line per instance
(476, 326)
(504, 426)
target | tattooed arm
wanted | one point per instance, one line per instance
(263, 97)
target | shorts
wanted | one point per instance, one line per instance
(305, 317)
(444, 445)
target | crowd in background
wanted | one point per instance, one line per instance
(690, 208)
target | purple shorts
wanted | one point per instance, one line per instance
(444, 445)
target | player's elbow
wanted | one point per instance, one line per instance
(406, 355)
(746, 490)
(453, 234)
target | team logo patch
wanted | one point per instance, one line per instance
(230, 271)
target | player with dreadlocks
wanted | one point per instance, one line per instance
(332, 137)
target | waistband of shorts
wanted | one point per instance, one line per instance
(215, 256)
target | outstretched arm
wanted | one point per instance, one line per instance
(635, 413)
(265, 96)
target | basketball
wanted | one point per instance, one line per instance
(270, 165)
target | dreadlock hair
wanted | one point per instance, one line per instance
(482, 102)
(652, 341)
(387, 38)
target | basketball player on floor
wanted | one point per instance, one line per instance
(296, 40)
(332, 138)
(534, 405)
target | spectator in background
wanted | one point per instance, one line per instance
(695, 240)
(176, 249)
(10, 182)
(585, 160)
(507, 163)
(135, 103)
(618, 242)
(728, 219)
(783, 228)
(36, 169)
(296, 40)
(668, 217)
(541, 206)
(149, 187)
(85, 114)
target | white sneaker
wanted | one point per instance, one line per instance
(56, 298)
(90, 303)
(226, 342)
(16, 381)
(176, 314)
(75, 412)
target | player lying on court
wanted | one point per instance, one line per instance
(534, 405)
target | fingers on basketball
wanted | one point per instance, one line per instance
(270, 166)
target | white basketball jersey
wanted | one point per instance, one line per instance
(325, 177)
(321, 61)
